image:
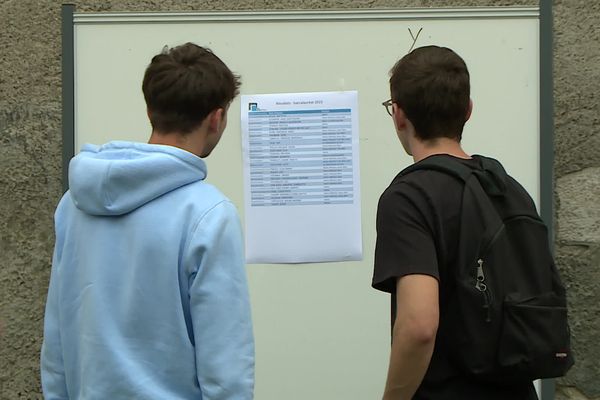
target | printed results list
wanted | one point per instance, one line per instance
(301, 157)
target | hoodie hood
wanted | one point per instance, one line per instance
(119, 177)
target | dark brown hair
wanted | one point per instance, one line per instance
(184, 84)
(431, 85)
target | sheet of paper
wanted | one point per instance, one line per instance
(301, 177)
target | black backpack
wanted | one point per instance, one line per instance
(507, 321)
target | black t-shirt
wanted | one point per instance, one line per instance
(418, 220)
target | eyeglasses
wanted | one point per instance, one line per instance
(388, 106)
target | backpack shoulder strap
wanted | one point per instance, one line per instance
(444, 164)
(490, 174)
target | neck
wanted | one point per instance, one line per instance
(424, 149)
(190, 142)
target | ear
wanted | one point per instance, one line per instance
(469, 110)
(398, 116)
(215, 119)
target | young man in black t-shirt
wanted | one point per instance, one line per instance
(417, 231)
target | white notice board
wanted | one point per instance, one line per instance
(321, 331)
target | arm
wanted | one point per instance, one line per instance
(414, 335)
(51, 363)
(220, 308)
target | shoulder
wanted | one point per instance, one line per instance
(409, 202)
(209, 203)
(203, 196)
(422, 188)
(64, 209)
(430, 196)
(197, 205)
(206, 189)
(436, 176)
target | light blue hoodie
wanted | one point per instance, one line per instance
(148, 296)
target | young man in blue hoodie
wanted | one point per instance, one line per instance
(148, 295)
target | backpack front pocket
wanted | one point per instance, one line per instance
(533, 339)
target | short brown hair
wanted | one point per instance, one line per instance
(431, 85)
(182, 85)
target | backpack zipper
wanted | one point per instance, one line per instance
(482, 287)
(480, 281)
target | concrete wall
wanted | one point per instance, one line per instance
(30, 167)
(577, 181)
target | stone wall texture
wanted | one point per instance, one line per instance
(30, 166)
